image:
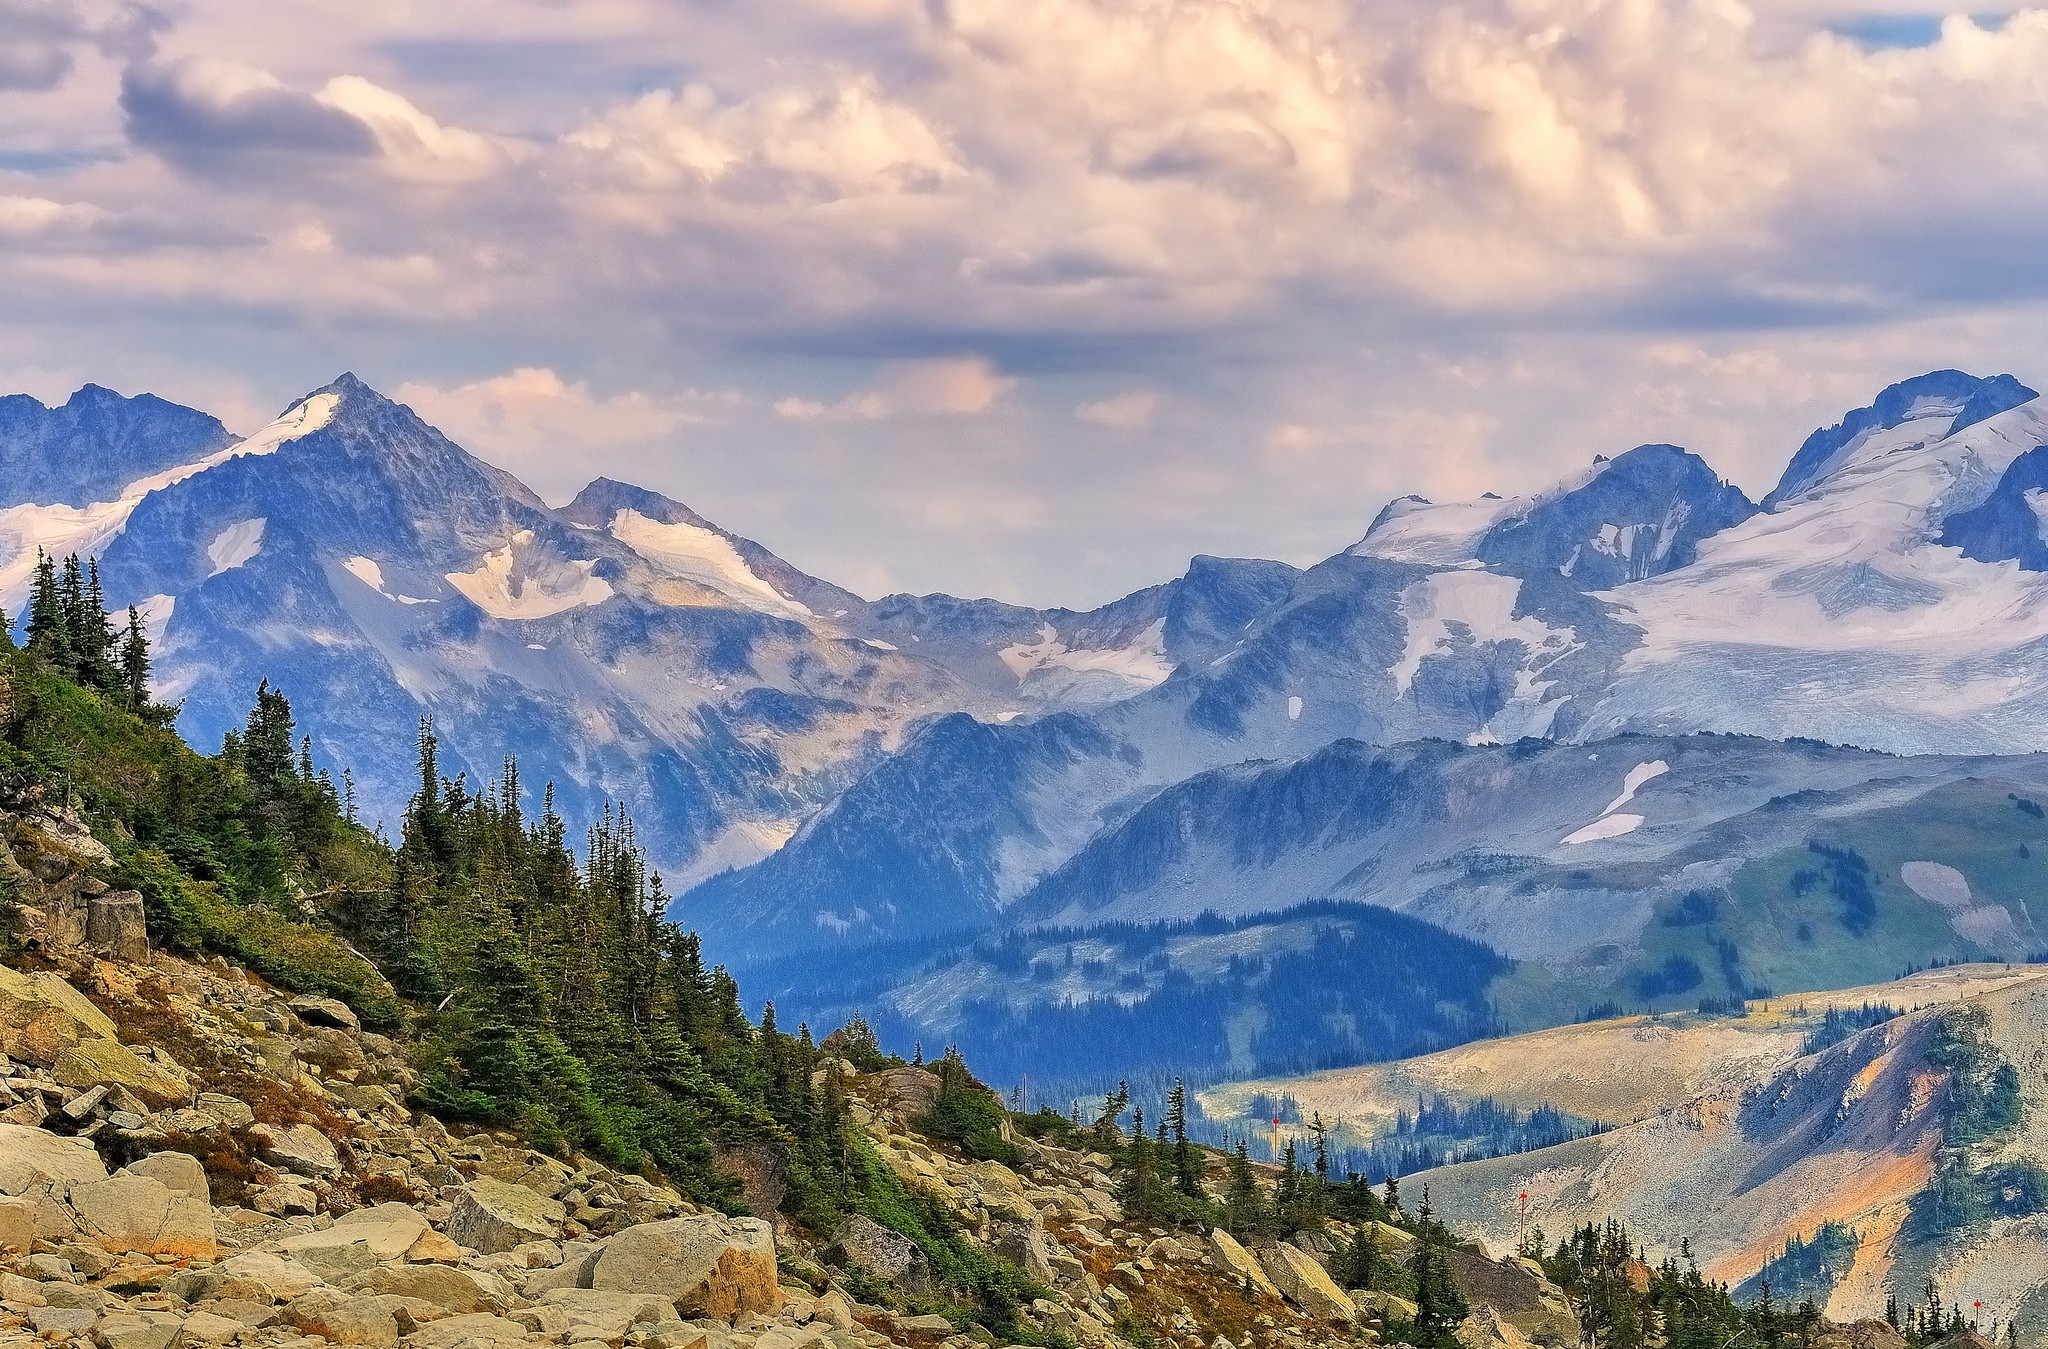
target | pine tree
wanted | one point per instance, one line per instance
(1139, 1188)
(95, 636)
(1440, 1308)
(1244, 1206)
(6, 632)
(135, 663)
(1186, 1160)
(49, 625)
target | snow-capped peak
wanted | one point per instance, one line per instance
(1910, 414)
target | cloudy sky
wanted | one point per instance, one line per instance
(1032, 298)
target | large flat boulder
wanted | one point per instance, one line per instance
(493, 1215)
(178, 1171)
(457, 1292)
(356, 1242)
(41, 1016)
(607, 1314)
(1237, 1262)
(136, 1213)
(297, 1147)
(705, 1265)
(1306, 1284)
(27, 1152)
(109, 1063)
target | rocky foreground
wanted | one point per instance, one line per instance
(189, 1156)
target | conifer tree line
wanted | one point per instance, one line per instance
(68, 626)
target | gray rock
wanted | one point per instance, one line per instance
(139, 1330)
(492, 1216)
(298, 1147)
(330, 1012)
(864, 1244)
(26, 1153)
(114, 924)
(705, 1265)
(606, 1314)
(137, 1213)
(179, 1171)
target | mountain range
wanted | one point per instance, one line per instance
(1635, 739)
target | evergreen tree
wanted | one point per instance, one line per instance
(1244, 1205)
(1186, 1159)
(135, 663)
(1440, 1307)
(49, 624)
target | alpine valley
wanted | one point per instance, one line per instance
(1633, 743)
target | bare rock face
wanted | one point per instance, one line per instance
(706, 1265)
(27, 1153)
(492, 1216)
(41, 1016)
(1306, 1284)
(911, 1092)
(1237, 1263)
(114, 925)
(873, 1249)
(109, 1063)
(136, 1213)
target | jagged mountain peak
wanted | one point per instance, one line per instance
(1947, 400)
(1634, 515)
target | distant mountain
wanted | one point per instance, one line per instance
(1915, 1141)
(623, 647)
(1429, 723)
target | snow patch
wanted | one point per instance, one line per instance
(1942, 886)
(1294, 709)
(372, 575)
(1143, 662)
(1422, 532)
(1637, 776)
(1607, 826)
(235, 545)
(1482, 603)
(878, 645)
(691, 553)
(520, 581)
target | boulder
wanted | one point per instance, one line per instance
(705, 1265)
(862, 1243)
(341, 1319)
(26, 1153)
(491, 1216)
(280, 1276)
(606, 1314)
(910, 1092)
(456, 1292)
(1486, 1328)
(1236, 1262)
(356, 1242)
(137, 1213)
(1306, 1284)
(212, 1328)
(41, 1016)
(1024, 1245)
(17, 1226)
(466, 1332)
(329, 1012)
(139, 1330)
(297, 1147)
(114, 925)
(94, 1063)
(1385, 1306)
(59, 1322)
(179, 1171)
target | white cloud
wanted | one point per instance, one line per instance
(1437, 244)
(1125, 411)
